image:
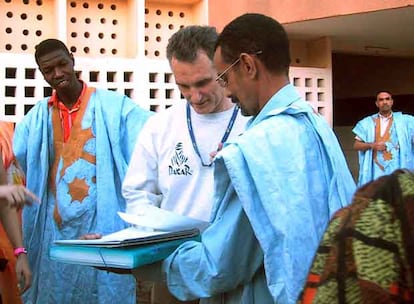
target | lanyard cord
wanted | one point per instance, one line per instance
(223, 140)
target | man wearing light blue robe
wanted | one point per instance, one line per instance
(79, 183)
(272, 205)
(276, 185)
(399, 146)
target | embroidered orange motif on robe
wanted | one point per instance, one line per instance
(70, 152)
(384, 138)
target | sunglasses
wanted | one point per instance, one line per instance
(222, 79)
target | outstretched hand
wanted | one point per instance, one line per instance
(17, 195)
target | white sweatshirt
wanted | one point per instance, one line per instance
(165, 170)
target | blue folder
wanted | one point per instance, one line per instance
(125, 257)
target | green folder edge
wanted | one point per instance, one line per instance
(126, 257)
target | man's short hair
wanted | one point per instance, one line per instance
(185, 43)
(47, 46)
(382, 91)
(251, 33)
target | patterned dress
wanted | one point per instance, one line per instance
(367, 252)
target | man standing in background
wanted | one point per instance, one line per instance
(384, 141)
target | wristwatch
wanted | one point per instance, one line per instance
(18, 251)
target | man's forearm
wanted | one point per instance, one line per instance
(362, 146)
(11, 223)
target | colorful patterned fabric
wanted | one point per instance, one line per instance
(367, 252)
(8, 280)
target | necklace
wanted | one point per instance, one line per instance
(223, 140)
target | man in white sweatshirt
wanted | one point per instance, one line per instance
(172, 166)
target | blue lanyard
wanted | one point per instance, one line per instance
(223, 140)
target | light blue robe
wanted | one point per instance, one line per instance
(115, 122)
(401, 146)
(276, 188)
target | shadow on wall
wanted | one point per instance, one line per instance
(346, 139)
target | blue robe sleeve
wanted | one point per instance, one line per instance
(228, 256)
(365, 129)
(134, 119)
(405, 133)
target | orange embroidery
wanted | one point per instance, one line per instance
(385, 138)
(78, 189)
(70, 152)
(75, 148)
(387, 155)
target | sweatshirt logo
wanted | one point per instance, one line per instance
(179, 162)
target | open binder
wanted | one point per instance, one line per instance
(134, 246)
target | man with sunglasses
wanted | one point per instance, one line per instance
(276, 185)
(384, 141)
